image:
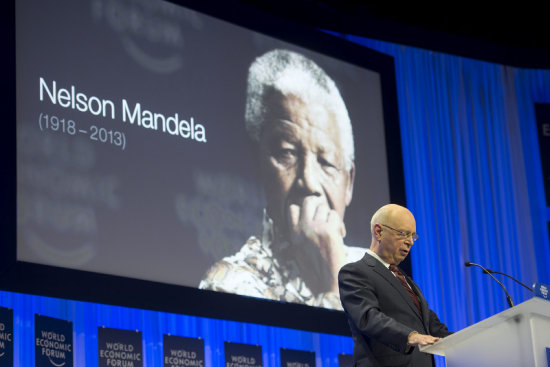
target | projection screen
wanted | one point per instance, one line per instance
(134, 159)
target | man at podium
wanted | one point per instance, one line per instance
(388, 316)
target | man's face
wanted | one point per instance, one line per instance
(394, 247)
(302, 163)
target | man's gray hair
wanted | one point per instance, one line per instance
(290, 73)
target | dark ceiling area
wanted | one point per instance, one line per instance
(512, 35)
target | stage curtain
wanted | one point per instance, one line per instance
(473, 178)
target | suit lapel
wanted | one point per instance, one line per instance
(385, 273)
(423, 303)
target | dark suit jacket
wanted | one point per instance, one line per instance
(381, 315)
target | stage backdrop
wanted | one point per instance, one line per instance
(473, 177)
(103, 335)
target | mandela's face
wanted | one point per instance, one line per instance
(301, 156)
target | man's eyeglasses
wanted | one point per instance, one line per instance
(402, 234)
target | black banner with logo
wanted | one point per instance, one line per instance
(53, 342)
(117, 347)
(182, 351)
(542, 113)
(242, 355)
(6, 337)
(297, 358)
(345, 360)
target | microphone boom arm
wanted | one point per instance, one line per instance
(508, 298)
(509, 276)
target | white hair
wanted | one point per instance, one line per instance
(288, 73)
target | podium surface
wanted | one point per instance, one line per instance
(517, 336)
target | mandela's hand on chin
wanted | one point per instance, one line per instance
(316, 233)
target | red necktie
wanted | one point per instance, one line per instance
(405, 285)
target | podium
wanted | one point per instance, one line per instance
(518, 336)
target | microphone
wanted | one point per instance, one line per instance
(508, 298)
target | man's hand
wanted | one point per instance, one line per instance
(416, 339)
(317, 231)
